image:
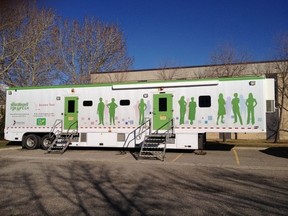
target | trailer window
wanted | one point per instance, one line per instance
(87, 103)
(71, 106)
(162, 104)
(124, 102)
(204, 101)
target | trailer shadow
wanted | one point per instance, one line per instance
(276, 151)
(218, 146)
(4, 143)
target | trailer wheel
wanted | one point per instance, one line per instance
(46, 141)
(31, 141)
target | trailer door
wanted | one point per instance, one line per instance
(162, 111)
(71, 113)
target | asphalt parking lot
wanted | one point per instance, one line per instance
(229, 156)
(225, 181)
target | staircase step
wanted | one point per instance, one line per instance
(159, 136)
(56, 151)
(61, 141)
(154, 141)
(154, 146)
(147, 156)
(57, 147)
(60, 144)
(152, 152)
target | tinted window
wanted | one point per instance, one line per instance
(205, 101)
(71, 106)
(124, 102)
(88, 103)
(162, 104)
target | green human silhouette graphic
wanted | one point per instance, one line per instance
(236, 109)
(192, 110)
(100, 111)
(142, 107)
(221, 109)
(112, 109)
(251, 103)
(183, 105)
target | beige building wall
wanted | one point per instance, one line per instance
(195, 72)
(255, 68)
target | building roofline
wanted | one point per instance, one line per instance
(187, 67)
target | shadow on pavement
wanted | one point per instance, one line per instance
(14, 143)
(218, 146)
(276, 151)
(74, 188)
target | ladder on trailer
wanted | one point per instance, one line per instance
(62, 139)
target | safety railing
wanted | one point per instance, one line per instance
(71, 133)
(56, 129)
(137, 133)
(169, 131)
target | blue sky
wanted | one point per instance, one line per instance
(185, 32)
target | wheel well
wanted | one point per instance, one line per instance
(39, 134)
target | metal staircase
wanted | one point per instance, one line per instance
(154, 145)
(61, 139)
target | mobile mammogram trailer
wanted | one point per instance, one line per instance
(174, 114)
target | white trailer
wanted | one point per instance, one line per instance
(132, 114)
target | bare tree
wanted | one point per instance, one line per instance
(168, 71)
(117, 77)
(27, 54)
(91, 47)
(10, 22)
(2, 121)
(226, 61)
(279, 71)
(281, 68)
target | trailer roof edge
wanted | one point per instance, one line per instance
(135, 83)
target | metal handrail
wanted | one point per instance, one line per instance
(56, 123)
(167, 135)
(75, 131)
(69, 135)
(171, 122)
(139, 133)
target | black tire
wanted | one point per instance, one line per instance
(31, 141)
(46, 141)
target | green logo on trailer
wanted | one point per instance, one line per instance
(41, 121)
(19, 106)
